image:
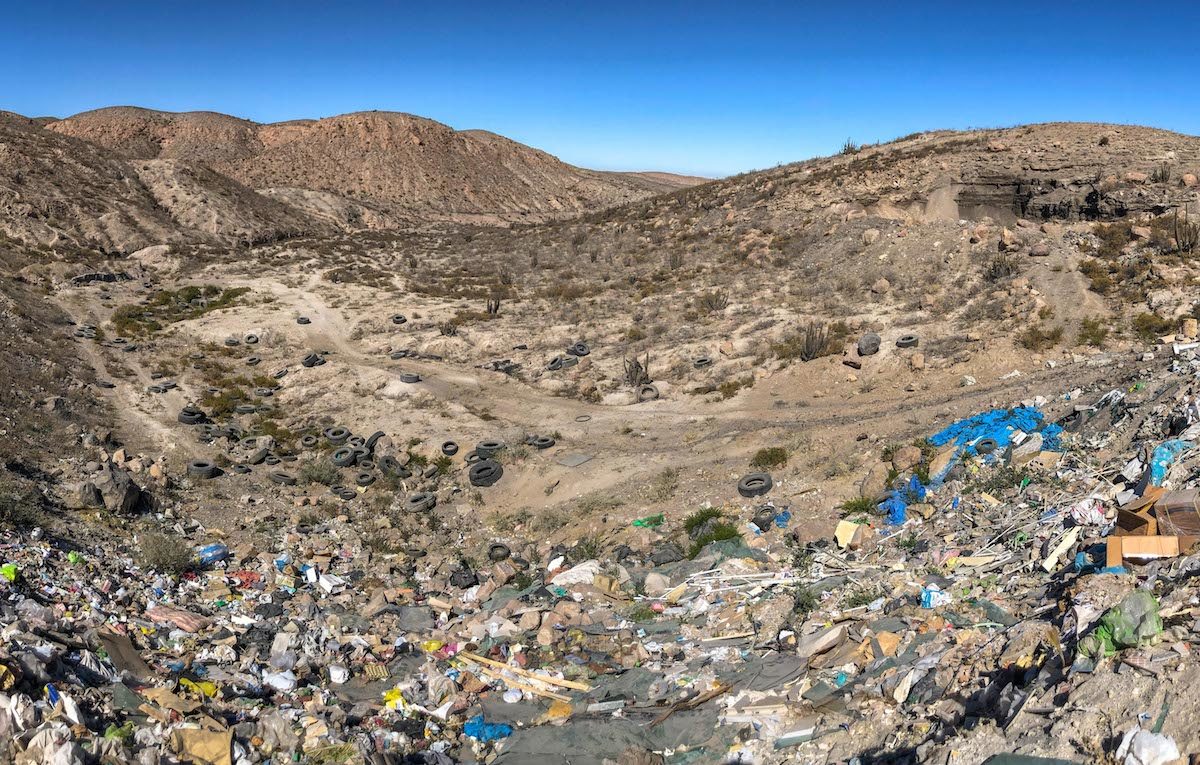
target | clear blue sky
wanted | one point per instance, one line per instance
(695, 87)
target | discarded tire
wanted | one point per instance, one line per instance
(755, 484)
(488, 448)
(308, 442)
(764, 517)
(472, 457)
(868, 344)
(250, 339)
(449, 448)
(245, 409)
(373, 439)
(579, 349)
(232, 342)
(702, 362)
(391, 467)
(542, 442)
(312, 360)
(304, 320)
(498, 552)
(271, 459)
(420, 502)
(259, 457)
(253, 361)
(364, 479)
(410, 378)
(240, 468)
(347, 494)
(104, 384)
(907, 341)
(344, 456)
(191, 415)
(202, 469)
(986, 446)
(486, 473)
(555, 364)
(282, 478)
(569, 361)
(647, 393)
(399, 318)
(336, 436)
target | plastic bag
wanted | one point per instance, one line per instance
(1131, 623)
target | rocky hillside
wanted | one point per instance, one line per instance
(63, 193)
(392, 164)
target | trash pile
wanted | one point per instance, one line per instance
(1022, 588)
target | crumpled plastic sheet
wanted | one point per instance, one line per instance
(1164, 456)
(998, 425)
(476, 728)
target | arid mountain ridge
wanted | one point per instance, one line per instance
(125, 177)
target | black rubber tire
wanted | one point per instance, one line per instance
(245, 409)
(907, 341)
(489, 447)
(648, 392)
(365, 464)
(755, 485)
(250, 339)
(391, 467)
(449, 448)
(764, 517)
(344, 456)
(279, 374)
(579, 349)
(373, 439)
(397, 355)
(311, 360)
(336, 435)
(472, 457)
(486, 473)
(555, 364)
(259, 457)
(569, 361)
(420, 502)
(202, 469)
(271, 459)
(105, 384)
(303, 320)
(399, 318)
(986, 446)
(240, 469)
(410, 378)
(253, 361)
(232, 342)
(703, 362)
(308, 441)
(498, 551)
(264, 392)
(281, 478)
(542, 442)
(191, 415)
(364, 479)
(347, 494)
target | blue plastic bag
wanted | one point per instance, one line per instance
(210, 554)
(477, 729)
(896, 509)
(1165, 454)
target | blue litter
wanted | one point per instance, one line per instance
(896, 509)
(1165, 454)
(783, 519)
(210, 554)
(999, 426)
(476, 728)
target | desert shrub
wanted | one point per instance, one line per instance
(718, 532)
(699, 518)
(663, 486)
(1001, 266)
(769, 457)
(165, 554)
(1039, 338)
(1150, 326)
(18, 507)
(1113, 238)
(858, 506)
(1097, 273)
(812, 342)
(712, 302)
(1092, 332)
(322, 472)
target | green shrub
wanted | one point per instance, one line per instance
(165, 554)
(769, 457)
(1150, 326)
(1039, 338)
(699, 518)
(718, 532)
(1092, 332)
(322, 472)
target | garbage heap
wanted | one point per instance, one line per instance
(1022, 587)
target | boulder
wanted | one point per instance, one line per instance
(874, 483)
(117, 490)
(906, 458)
(1040, 250)
(868, 344)
(881, 286)
(870, 236)
(1189, 180)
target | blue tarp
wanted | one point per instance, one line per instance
(999, 425)
(476, 728)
